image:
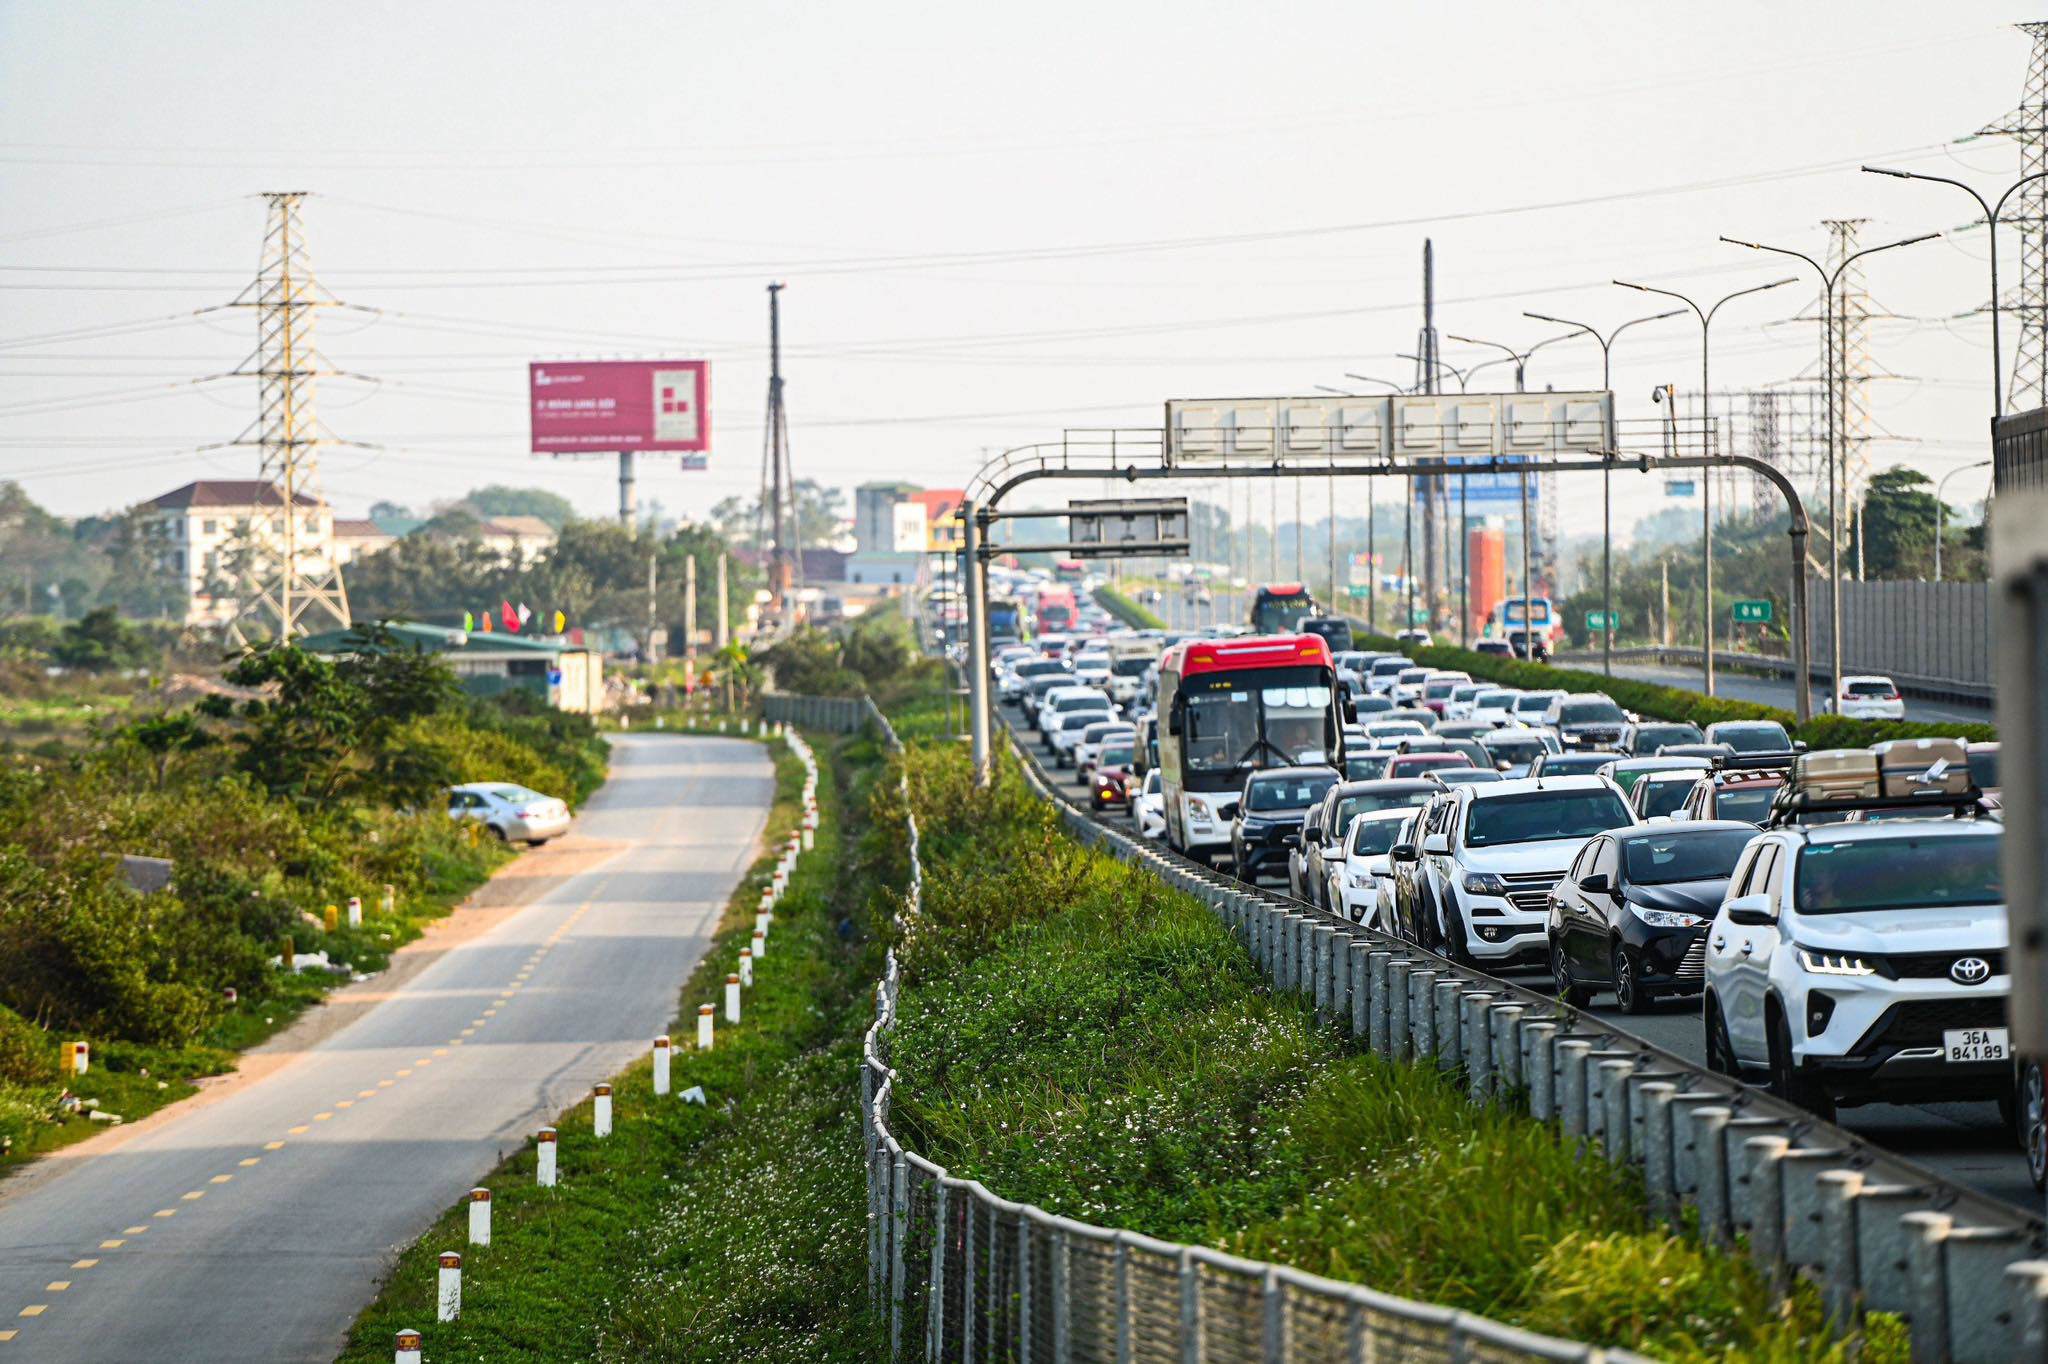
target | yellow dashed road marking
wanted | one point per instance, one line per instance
(135, 1231)
(165, 1212)
(300, 1130)
(220, 1179)
(114, 1244)
(35, 1309)
(273, 1146)
(194, 1196)
(8, 1335)
(344, 1103)
(247, 1161)
(322, 1117)
(385, 1084)
(83, 1264)
(58, 1286)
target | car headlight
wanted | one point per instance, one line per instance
(1835, 963)
(1485, 883)
(1361, 880)
(1666, 918)
(1198, 812)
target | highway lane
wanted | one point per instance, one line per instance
(1780, 692)
(1963, 1142)
(255, 1227)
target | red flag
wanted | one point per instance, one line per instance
(506, 614)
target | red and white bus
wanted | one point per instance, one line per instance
(1230, 707)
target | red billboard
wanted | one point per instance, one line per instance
(596, 406)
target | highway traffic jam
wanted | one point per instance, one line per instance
(1833, 920)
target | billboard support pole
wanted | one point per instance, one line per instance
(626, 489)
(973, 533)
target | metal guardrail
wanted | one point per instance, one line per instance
(976, 1276)
(1877, 1232)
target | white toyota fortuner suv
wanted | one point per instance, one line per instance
(1864, 962)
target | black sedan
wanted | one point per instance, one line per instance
(1632, 914)
(1269, 817)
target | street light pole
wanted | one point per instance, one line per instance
(1991, 221)
(1837, 494)
(1607, 474)
(1941, 508)
(1706, 475)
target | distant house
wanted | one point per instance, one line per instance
(205, 536)
(355, 538)
(525, 536)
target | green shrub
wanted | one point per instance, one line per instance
(1128, 611)
(28, 1055)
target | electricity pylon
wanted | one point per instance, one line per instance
(2027, 125)
(283, 578)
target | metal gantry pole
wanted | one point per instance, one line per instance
(973, 534)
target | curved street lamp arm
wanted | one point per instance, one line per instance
(1372, 379)
(1753, 289)
(1652, 289)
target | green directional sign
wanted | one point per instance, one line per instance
(1355, 589)
(1603, 620)
(1419, 616)
(1752, 613)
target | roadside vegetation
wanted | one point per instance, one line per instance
(1077, 1035)
(734, 1230)
(1660, 702)
(1129, 610)
(321, 782)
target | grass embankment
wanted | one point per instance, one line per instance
(1128, 610)
(732, 1231)
(1077, 1035)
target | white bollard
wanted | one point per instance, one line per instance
(661, 722)
(762, 918)
(661, 1050)
(732, 998)
(479, 1217)
(390, 899)
(704, 1025)
(807, 837)
(546, 1169)
(355, 911)
(601, 1111)
(448, 1303)
(747, 967)
(81, 1057)
(408, 1350)
(760, 945)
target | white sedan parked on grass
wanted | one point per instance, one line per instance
(514, 813)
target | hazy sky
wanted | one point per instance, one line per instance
(994, 221)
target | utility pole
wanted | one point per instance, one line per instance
(724, 636)
(653, 650)
(783, 559)
(1664, 573)
(278, 588)
(1426, 348)
(690, 623)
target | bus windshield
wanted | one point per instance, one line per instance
(1261, 717)
(1278, 615)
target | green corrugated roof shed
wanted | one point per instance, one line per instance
(440, 639)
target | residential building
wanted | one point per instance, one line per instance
(208, 534)
(568, 676)
(355, 538)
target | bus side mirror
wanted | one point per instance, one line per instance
(1173, 725)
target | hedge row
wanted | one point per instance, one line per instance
(1654, 700)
